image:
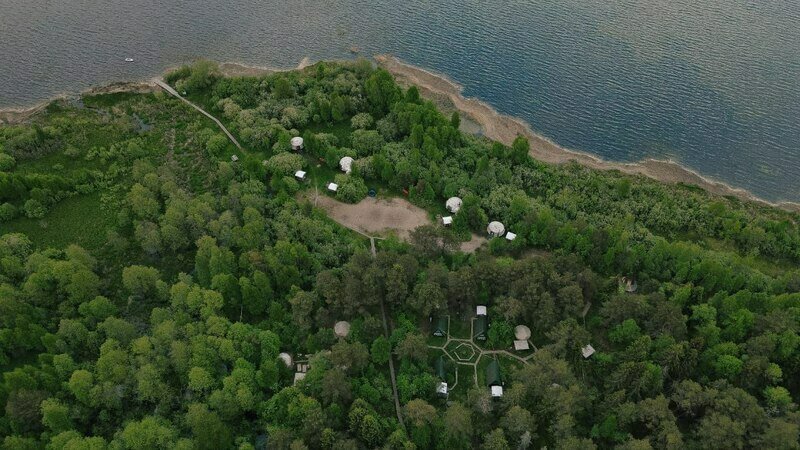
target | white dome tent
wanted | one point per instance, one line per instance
(297, 143)
(286, 358)
(346, 164)
(522, 332)
(341, 329)
(453, 204)
(495, 228)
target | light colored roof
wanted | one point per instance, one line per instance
(496, 228)
(333, 187)
(300, 174)
(342, 328)
(441, 388)
(286, 358)
(521, 344)
(587, 351)
(453, 204)
(447, 220)
(346, 164)
(297, 141)
(480, 310)
(299, 376)
(497, 391)
(522, 332)
(511, 236)
(234, 158)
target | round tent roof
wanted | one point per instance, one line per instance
(453, 204)
(496, 228)
(522, 332)
(346, 164)
(286, 358)
(342, 328)
(297, 141)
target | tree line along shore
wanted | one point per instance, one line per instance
(162, 288)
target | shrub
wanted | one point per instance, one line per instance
(34, 209)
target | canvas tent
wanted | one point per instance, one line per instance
(297, 143)
(495, 229)
(481, 327)
(494, 379)
(346, 164)
(453, 204)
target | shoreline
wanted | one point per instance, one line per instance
(449, 95)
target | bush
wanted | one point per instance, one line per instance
(361, 121)
(351, 189)
(284, 164)
(34, 209)
(7, 162)
(216, 144)
(7, 212)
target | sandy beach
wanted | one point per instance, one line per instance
(505, 129)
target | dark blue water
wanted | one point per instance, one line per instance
(712, 84)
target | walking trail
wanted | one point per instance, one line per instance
(175, 93)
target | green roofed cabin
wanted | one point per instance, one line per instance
(440, 326)
(494, 379)
(441, 371)
(481, 327)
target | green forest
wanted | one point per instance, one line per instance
(162, 288)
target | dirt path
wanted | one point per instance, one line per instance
(505, 129)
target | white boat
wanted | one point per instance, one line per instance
(128, 59)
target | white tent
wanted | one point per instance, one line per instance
(511, 236)
(497, 391)
(480, 310)
(495, 229)
(286, 358)
(522, 332)
(300, 175)
(441, 388)
(341, 329)
(297, 143)
(520, 345)
(453, 204)
(346, 164)
(234, 158)
(447, 220)
(333, 187)
(587, 351)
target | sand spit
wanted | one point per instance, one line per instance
(505, 129)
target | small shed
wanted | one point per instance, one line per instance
(297, 143)
(481, 327)
(587, 351)
(447, 221)
(333, 187)
(346, 164)
(480, 310)
(494, 379)
(341, 329)
(453, 204)
(521, 345)
(234, 158)
(510, 236)
(439, 327)
(286, 358)
(495, 229)
(300, 175)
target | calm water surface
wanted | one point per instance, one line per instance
(713, 84)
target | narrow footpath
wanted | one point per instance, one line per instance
(175, 93)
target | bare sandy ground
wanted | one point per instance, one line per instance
(505, 129)
(381, 217)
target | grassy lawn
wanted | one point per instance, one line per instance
(80, 220)
(459, 329)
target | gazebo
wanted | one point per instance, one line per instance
(453, 204)
(341, 329)
(346, 164)
(297, 143)
(495, 229)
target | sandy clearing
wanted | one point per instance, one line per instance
(505, 129)
(382, 217)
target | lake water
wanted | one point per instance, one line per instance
(712, 84)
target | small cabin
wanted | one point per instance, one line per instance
(481, 328)
(297, 143)
(494, 379)
(346, 164)
(510, 236)
(447, 221)
(300, 175)
(439, 328)
(587, 351)
(333, 187)
(440, 366)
